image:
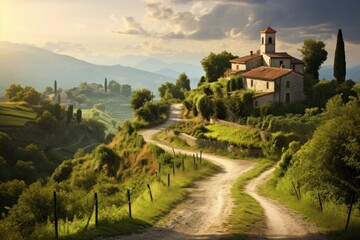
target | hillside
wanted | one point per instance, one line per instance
(37, 67)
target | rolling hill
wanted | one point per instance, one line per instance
(32, 66)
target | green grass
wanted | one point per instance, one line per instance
(115, 220)
(247, 214)
(243, 137)
(15, 114)
(333, 218)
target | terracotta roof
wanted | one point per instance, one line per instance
(296, 61)
(268, 30)
(267, 73)
(246, 58)
(278, 55)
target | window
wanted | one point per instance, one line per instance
(270, 40)
(252, 83)
(281, 62)
(237, 67)
(287, 84)
(267, 85)
(287, 98)
(262, 40)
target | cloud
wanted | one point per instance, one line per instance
(66, 48)
(114, 18)
(240, 19)
(133, 27)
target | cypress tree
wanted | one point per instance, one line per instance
(105, 85)
(69, 114)
(55, 87)
(339, 59)
(78, 116)
(57, 111)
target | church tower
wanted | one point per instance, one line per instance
(267, 38)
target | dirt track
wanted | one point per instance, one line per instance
(203, 213)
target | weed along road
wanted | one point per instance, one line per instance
(204, 212)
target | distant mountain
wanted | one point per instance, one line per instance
(194, 72)
(37, 67)
(352, 72)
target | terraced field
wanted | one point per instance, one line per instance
(15, 114)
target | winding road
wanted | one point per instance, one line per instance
(204, 212)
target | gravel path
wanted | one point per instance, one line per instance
(203, 214)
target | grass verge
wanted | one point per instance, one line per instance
(247, 215)
(331, 220)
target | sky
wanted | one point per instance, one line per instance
(105, 31)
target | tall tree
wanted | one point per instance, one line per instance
(204, 107)
(55, 87)
(69, 114)
(105, 85)
(314, 54)
(339, 59)
(215, 65)
(78, 116)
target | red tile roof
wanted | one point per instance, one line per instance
(267, 73)
(246, 58)
(268, 30)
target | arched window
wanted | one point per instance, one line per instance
(262, 40)
(270, 40)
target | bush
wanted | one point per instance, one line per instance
(47, 122)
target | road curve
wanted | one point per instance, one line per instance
(203, 214)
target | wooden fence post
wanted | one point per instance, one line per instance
(151, 196)
(183, 163)
(56, 217)
(173, 167)
(96, 209)
(350, 208)
(320, 202)
(129, 200)
(297, 196)
(168, 179)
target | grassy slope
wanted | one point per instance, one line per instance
(246, 137)
(115, 221)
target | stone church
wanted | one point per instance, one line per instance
(274, 76)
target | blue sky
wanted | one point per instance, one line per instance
(176, 30)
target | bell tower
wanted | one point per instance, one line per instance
(267, 40)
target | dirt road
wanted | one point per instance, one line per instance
(203, 214)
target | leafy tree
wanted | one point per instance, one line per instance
(183, 82)
(47, 122)
(204, 107)
(219, 109)
(339, 59)
(78, 116)
(12, 91)
(48, 90)
(70, 113)
(9, 193)
(126, 90)
(314, 54)
(215, 65)
(167, 86)
(140, 97)
(114, 87)
(329, 162)
(322, 92)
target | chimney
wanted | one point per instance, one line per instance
(251, 52)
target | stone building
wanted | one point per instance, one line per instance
(274, 76)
